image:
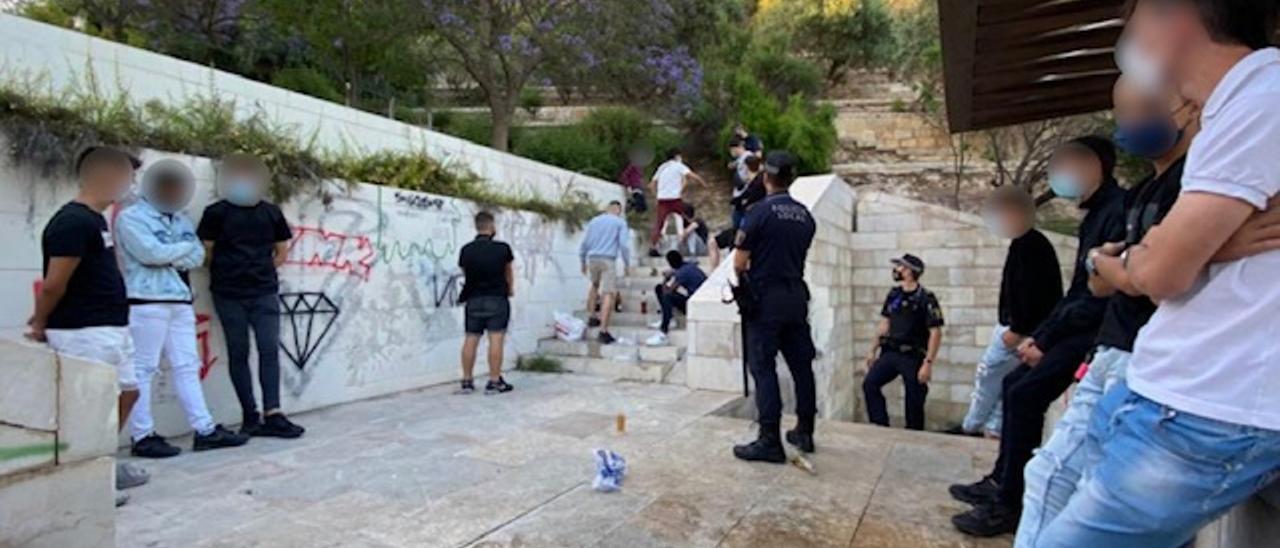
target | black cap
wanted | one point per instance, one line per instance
(781, 163)
(910, 261)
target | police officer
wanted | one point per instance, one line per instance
(771, 250)
(908, 337)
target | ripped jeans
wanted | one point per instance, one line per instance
(1058, 468)
(1160, 475)
(988, 381)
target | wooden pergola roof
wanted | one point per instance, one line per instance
(1013, 61)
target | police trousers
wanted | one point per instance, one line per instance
(782, 325)
(889, 366)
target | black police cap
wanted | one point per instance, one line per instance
(910, 261)
(781, 163)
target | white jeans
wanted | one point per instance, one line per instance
(105, 344)
(170, 328)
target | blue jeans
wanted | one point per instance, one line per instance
(997, 361)
(1162, 475)
(1058, 468)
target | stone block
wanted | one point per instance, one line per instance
(717, 374)
(948, 257)
(976, 276)
(965, 354)
(967, 315)
(716, 339)
(63, 506)
(954, 296)
(86, 409)
(30, 374)
(892, 222)
(23, 449)
(873, 240)
(960, 393)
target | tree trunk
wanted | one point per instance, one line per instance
(501, 114)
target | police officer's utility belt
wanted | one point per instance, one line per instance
(898, 346)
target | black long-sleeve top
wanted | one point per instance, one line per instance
(1031, 284)
(1080, 312)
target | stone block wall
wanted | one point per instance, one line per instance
(964, 264)
(905, 133)
(714, 357)
(57, 435)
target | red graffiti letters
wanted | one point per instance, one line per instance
(314, 247)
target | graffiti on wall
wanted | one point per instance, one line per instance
(207, 358)
(314, 247)
(419, 201)
(310, 316)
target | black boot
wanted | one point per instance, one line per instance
(802, 435)
(766, 448)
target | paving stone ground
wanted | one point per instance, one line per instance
(426, 468)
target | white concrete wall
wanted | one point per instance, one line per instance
(57, 432)
(387, 258)
(714, 357)
(61, 59)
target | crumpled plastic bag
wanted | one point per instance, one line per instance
(610, 469)
(569, 328)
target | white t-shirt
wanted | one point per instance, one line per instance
(1215, 352)
(670, 176)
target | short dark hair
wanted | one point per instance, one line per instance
(96, 156)
(675, 259)
(1012, 197)
(1251, 23)
(735, 142)
(615, 203)
(673, 152)
(484, 220)
(753, 162)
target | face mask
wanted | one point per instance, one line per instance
(1149, 139)
(1141, 68)
(897, 276)
(994, 225)
(243, 193)
(1066, 185)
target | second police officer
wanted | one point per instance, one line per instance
(908, 337)
(771, 250)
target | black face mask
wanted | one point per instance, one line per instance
(897, 276)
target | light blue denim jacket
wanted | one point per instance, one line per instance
(156, 246)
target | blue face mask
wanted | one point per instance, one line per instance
(1150, 138)
(1066, 185)
(243, 193)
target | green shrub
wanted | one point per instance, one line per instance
(531, 100)
(784, 75)
(802, 127)
(307, 81)
(476, 128)
(571, 148)
(540, 364)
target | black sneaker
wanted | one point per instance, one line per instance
(988, 520)
(606, 338)
(250, 424)
(593, 322)
(153, 447)
(982, 492)
(217, 439)
(468, 387)
(497, 387)
(277, 426)
(958, 430)
(654, 253)
(802, 440)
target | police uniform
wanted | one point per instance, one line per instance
(778, 233)
(911, 315)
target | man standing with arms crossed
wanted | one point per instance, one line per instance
(771, 251)
(1196, 428)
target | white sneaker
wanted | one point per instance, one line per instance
(655, 324)
(658, 339)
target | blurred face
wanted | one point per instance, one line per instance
(171, 194)
(1006, 221)
(243, 185)
(615, 209)
(737, 151)
(1149, 125)
(110, 182)
(1074, 172)
(1157, 42)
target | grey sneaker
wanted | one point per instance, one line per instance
(122, 498)
(130, 475)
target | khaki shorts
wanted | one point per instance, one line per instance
(603, 274)
(107, 344)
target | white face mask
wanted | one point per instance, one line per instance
(1145, 71)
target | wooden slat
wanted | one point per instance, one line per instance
(1004, 56)
(1047, 90)
(959, 23)
(1030, 76)
(1021, 31)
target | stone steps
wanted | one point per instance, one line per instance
(591, 349)
(636, 319)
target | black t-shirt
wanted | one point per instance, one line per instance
(484, 264)
(95, 293)
(911, 314)
(243, 240)
(1145, 206)
(778, 233)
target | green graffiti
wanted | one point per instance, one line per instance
(34, 450)
(399, 251)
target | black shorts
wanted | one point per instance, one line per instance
(490, 314)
